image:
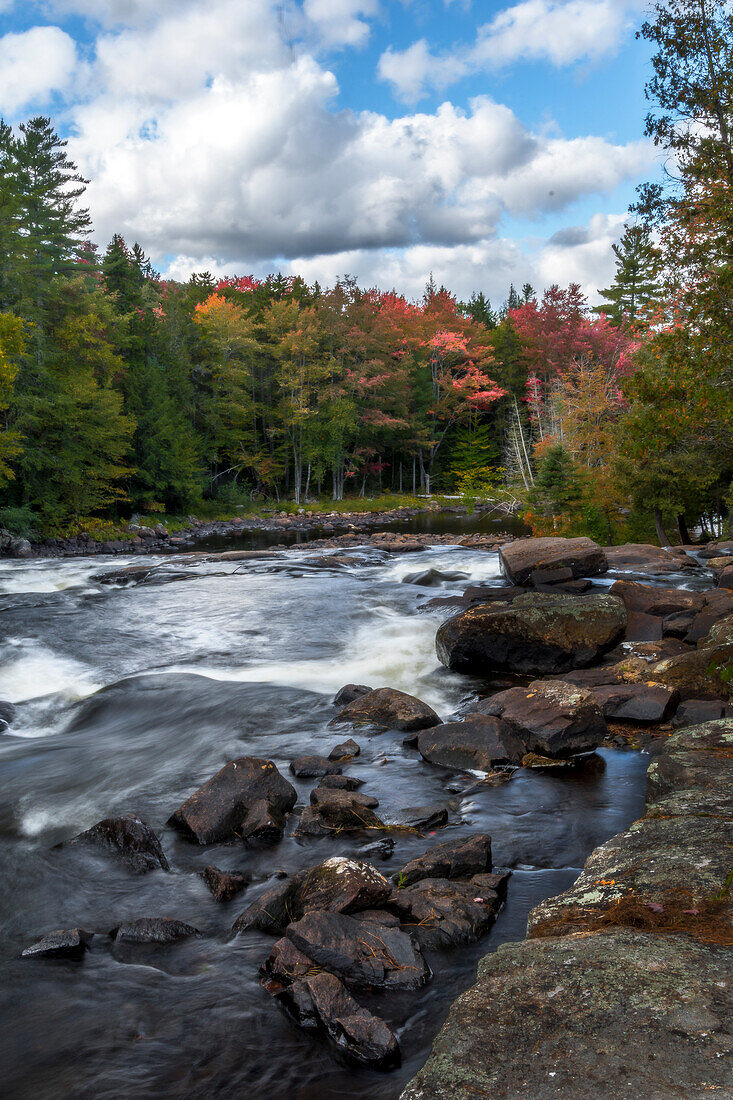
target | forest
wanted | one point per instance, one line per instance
(123, 392)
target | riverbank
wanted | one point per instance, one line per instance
(624, 986)
(307, 526)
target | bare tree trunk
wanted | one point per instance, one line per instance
(659, 526)
(682, 528)
(413, 475)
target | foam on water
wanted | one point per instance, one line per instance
(18, 577)
(391, 650)
(30, 671)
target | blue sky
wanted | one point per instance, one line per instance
(486, 142)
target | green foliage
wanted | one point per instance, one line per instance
(21, 521)
(635, 286)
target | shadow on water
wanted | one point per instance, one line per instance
(128, 699)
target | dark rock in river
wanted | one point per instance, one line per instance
(224, 885)
(421, 817)
(446, 913)
(246, 799)
(479, 743)
(127, 839)
(389, 709)
(65, 943)
(310, 767)
(360, 953)
(432, 578)
(345, 750)
(338, 811)
(341, 782)
(339, 885)
(695, 711)
(536, 633)
(551, 717)
(153, 930)
(452, 859)
(350, 692)
(321, 1002)
(657, 601)
(581, 556)
(8, 713)
(646, 559)
(636, 702)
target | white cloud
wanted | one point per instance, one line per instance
(33, 65)
(558, 31)
(581, 254)
(341, 22)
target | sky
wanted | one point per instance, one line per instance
(387, 139)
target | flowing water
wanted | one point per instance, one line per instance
(128, 699)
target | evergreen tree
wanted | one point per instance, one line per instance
(10, 240)
(54, 224)
(478, 308)
(635, 283)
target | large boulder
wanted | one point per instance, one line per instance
(537, 633)
(651, 600)
(126, 839)
(644, 703)
(551, 717)
(248, 798)
(321, 1002)
(582, 556)
(387, 708)
(339, 885)
(360, 953)
(647, 560)
(480, 742)
(462, 858)
(613, 1016)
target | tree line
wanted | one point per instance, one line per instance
(122, 391)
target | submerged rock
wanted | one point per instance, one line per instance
(311, 767)
(322, 1002)
(153, 930)
(581, 556)
(453, 859)
(340, 783)
(127, 839)
(333, 811)
(421, 817)
(345, 750)
(224, 885)
(360, 953)
(536, 633)
(64, 943)
(338, 885)
(479, 743)
(246, 799)
(389, 709)
(446, 913)
(551, 717)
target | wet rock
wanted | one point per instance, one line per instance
(643, 558)
(389, 709)
(322, 1002)
(613, 1016)
(338, 885)
(224, 885)
(360, 953)
(64, 943)
(378, 916)
(644, 703)
(345, 750)
(421, 817)
(454, 859)
(581, 556)
(700, 673)
(8, 713)
(550, 717)
(550, 576)
(677, 625)
(432, 578)
(127, 839)
(479, 743)
(310, 767)
(221, 808)
(536, 633)
(350, 692)
(153, 930)
(20, 548)
(341, 782)
(334, 811)
(381, 849)
(651, 600)
(446, 913)
(695, 711)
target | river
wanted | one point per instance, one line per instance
(128, 699)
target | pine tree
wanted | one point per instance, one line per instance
(10, 239)
(479, 310)
(635, 284)
(54, 224)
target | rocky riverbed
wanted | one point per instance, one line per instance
(258, 835)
